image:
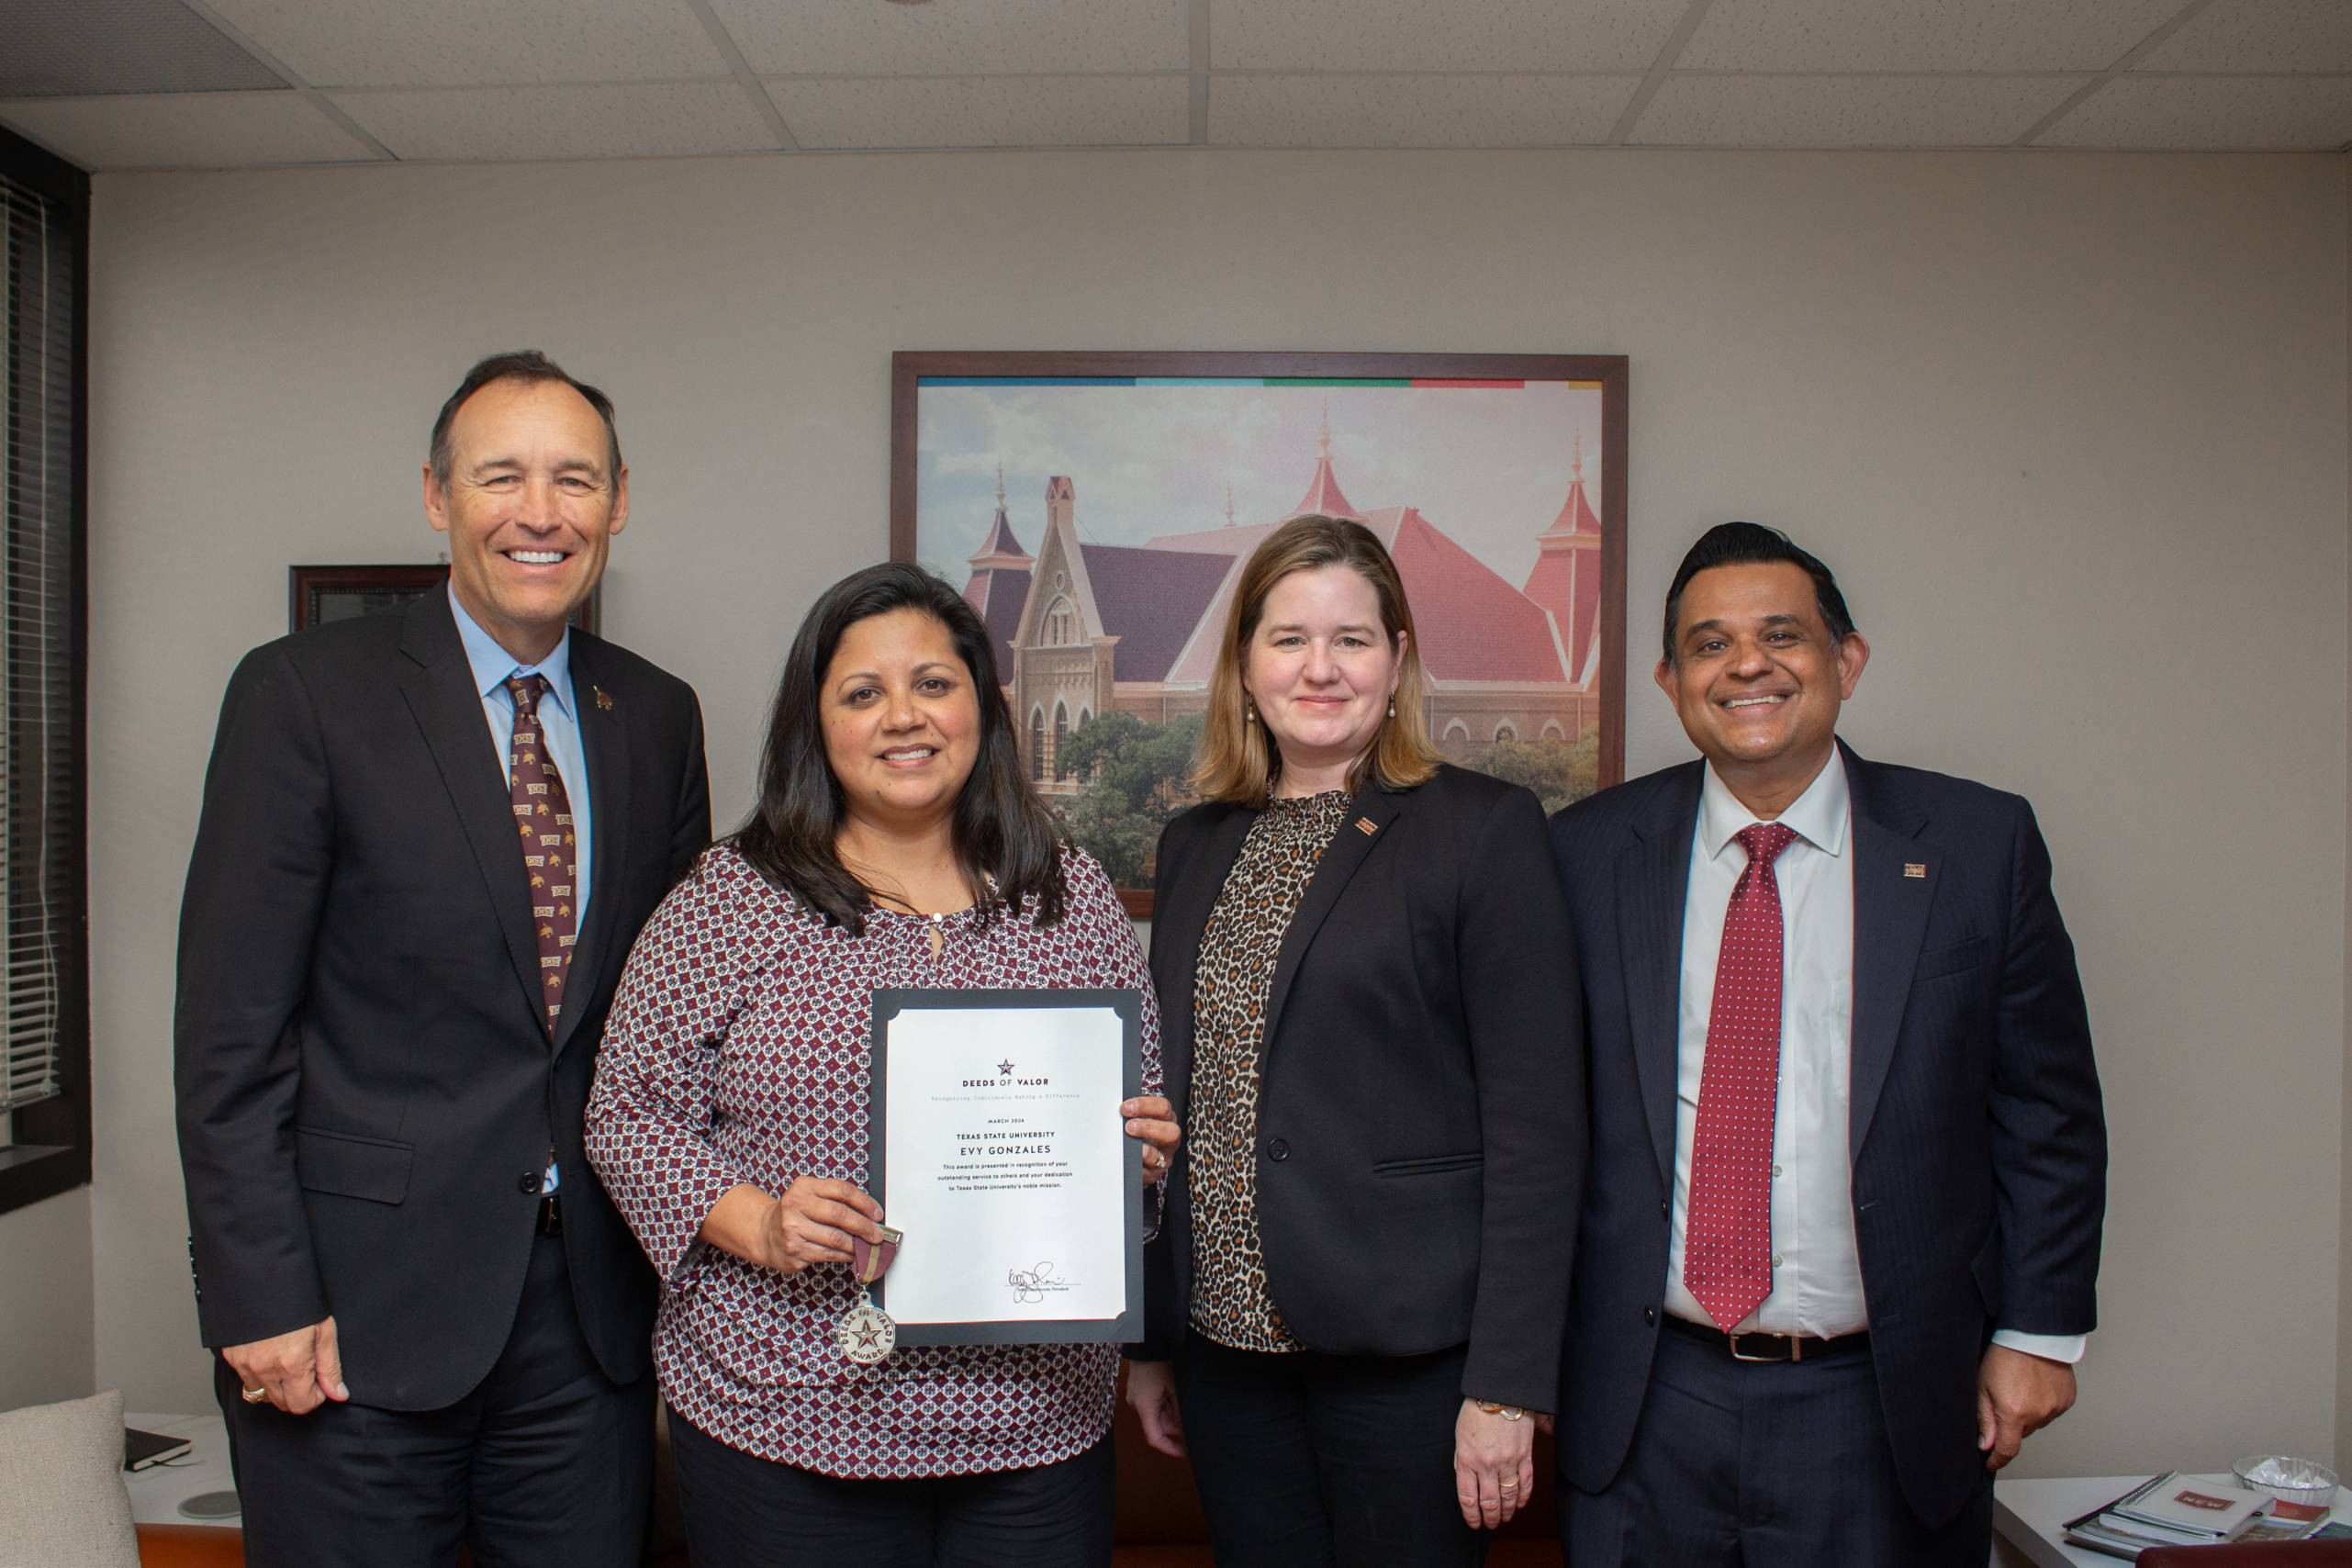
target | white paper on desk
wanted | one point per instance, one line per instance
(1007, 1164)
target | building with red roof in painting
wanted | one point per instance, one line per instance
(1000, 581)
(1082, 628)
(1566, 579)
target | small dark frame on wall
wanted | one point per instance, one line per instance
(1096, 506)
(320, 594)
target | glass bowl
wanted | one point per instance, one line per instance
(2288, 1479)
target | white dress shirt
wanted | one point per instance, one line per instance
(1817, 1267)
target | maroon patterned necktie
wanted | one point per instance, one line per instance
(1727, 1233)
(542, 815)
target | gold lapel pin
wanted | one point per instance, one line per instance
(1913, 869)
(604, 698)
(1366, 826)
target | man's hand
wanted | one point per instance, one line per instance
(1151, 1389)
(1149, 1124)
(1494, 1466)
(2017, 1395)
(302, 1370)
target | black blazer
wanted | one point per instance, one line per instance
(1978, 1143)
(366, 1090)
(1420, 1112)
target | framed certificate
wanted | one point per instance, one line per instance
(1000, 1153)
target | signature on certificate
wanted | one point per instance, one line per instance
(1030, 1285)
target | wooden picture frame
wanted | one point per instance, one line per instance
(317, 595)
(1477, 468)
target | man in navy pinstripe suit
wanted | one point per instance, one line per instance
(1895, 1197)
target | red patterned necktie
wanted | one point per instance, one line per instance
(1727, 1235)
(543, 815)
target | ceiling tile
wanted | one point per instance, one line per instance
(2259, 35)
(822, 38)
(2239, 113)
(1847, 111)
(623, 120)
(120, 47)
(1921, 35)
(1441, 35)
(986, 111)
(450, 43)
(186, 130)
(1415, 111)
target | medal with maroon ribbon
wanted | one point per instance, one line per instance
(864, 1332)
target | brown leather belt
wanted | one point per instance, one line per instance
(1769, 1346)
(551, 1215)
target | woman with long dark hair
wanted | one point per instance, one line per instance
(895, 843)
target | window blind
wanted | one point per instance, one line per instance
(39, 761)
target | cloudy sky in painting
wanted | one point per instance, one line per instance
(1490, 467)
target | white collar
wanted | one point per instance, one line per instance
(1818, 816)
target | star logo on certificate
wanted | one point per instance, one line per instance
(1005, 1069)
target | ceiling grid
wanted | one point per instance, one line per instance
(1196, 97)
(1656, 78)
(2145, 46)
(745, 79)
(233, 84)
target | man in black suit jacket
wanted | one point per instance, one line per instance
(1895, 1198)
(431, 1324)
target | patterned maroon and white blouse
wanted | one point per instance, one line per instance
(736, 1052)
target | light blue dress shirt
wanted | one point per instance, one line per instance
(559, 731)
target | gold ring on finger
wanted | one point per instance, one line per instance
(254, 1396)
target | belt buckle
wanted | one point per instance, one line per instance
(1795, 1348)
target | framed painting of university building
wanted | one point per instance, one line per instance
(1096, 508)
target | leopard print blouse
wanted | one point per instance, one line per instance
(1230, 1302)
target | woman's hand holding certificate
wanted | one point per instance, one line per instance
(812, 1223)
(1149, 1124)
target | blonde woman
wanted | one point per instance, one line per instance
(1372, 1039)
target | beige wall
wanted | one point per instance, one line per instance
(45, 1318)
(2074, 428)
(2344, 1277)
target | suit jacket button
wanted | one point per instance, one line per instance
(1649, 1316)
(529, 1181)
(1277, 1149)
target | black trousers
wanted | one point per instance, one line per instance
(1309, 1460)
(546, 1464)
(1774, 1465)
(743, 1511)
